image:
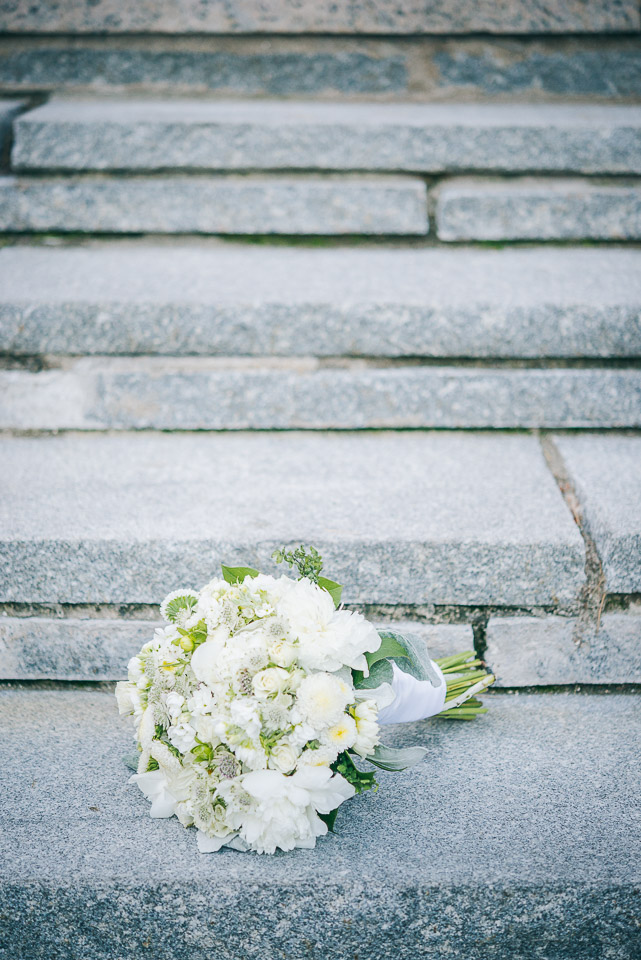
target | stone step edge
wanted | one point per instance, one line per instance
(229, 299)
(230, 205)
(101, 135)
(203, 394)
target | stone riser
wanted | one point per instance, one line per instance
(387, 206)
(285, 301)
(540, 69)
(520, 651)
(161, 394)
(302, 206)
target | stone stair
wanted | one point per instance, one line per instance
(362, 275)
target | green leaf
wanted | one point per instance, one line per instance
(388, 758)
(334, 589)
(131, 760)
(237, 574)
(413, 654)
(380, 673)
(391, 647)
(329, 819)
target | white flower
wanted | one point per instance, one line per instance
(367, 729)
(174, 703)
(178, 605)
(135, 669)
(284, 814)
(328, 638)
(283, 757)
(283, 652)
(268, 683)
(182, 735)
(128, 699)
(322, 756)
(322, 698)
(342, 735)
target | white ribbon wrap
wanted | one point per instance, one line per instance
(414, 699)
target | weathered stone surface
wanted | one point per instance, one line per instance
(37, 648)
(530, 651)
(226, 300)
(567, 68)
(537, 210)
(551, 782)
(319, 16)
(434, 68)
(606, 473)
(275, 135)
(8, 109)
(245, 394)
(225, 205)
(282, 67)
(399, 517)
(46, 648)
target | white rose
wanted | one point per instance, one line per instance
(283, 757)
(282, 652)
(270, 682)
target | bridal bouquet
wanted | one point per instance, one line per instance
(256, 705)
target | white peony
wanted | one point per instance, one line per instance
(322, 698)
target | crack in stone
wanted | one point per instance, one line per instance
(593, 594)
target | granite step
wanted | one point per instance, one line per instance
(183, 134)
(545, 830)
(227, 393)
(321, 16)
(532, 209)
(220, 205)
(141, 298)
(400, 518)
(420, 68)
(437, 68)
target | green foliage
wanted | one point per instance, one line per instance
(334, 589)
(389, 758)
(380, 673)
(414, 657)
(237, 574)
(131, 760)
(360, 779)
(308, 563)
(180, 607)
(329, 819)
